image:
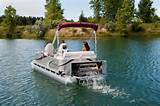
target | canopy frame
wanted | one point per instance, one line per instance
(76, 24)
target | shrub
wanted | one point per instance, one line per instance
(110, 26)
(157, 24)
(54, 24)
(134, 27)
(102, 22)
(124, 33)
(74, 31)
(84, 30)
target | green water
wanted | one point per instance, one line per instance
(133, 75)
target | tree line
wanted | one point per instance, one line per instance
(10, 20)
(23, 20)
(123, 11)
(118, 13)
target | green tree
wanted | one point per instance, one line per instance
(96, 5)
(10, 20)
(91, 19)
(82, 18)
(146, 11)
(125, 14)
(53, 11)
(1, 18)
(110, 8)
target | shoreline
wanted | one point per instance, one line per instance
(25, 32)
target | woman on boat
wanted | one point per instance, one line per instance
(85, 47)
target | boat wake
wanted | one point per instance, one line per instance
(98, 84)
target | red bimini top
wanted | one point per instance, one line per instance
(77, 24)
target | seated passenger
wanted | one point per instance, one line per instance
(85, 47)
(63, 47)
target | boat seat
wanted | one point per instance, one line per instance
(88, 54)
(48, 50)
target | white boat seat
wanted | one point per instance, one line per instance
(48, 50)
(80, 54)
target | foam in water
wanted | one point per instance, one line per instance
(98, 84)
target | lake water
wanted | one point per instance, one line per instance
(133, 77)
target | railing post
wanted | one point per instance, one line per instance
(95, 38)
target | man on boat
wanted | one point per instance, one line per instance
(63, 47)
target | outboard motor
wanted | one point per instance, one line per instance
(86, 69)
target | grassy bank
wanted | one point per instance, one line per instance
(144, 30)
(20, 32)
(27, 32)
(149, 30)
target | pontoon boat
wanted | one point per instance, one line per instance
(66, 66)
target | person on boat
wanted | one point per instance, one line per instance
(63, 47)
(85, 47)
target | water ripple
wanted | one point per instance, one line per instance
(132, 76)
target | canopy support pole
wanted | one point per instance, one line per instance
(55, 37)
(95, 39)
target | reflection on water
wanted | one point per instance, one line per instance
(132, 75)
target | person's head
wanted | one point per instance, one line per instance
(86, 46)
(63, 41)
(64, 46)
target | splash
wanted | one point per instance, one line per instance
(99, 84)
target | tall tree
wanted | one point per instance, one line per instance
(96, 5)
(125, 13)
(10, 20)
(146, 11)
(53, 11)
(110, 8)
(82, 18)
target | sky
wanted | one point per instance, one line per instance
(72, 8)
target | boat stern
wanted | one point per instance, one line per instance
(88, 70)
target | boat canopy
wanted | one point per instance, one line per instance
(77, 24)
